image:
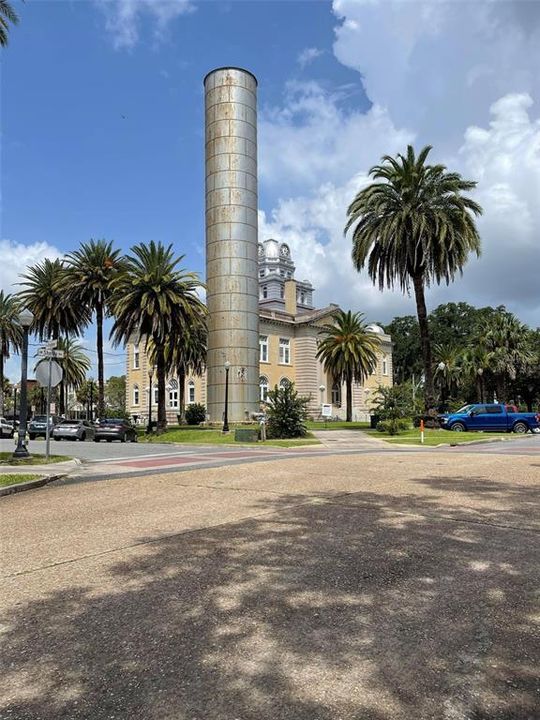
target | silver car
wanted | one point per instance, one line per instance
(74, 430)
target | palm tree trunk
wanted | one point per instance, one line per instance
(160, 371)
(101, 383)
(425, 340)
(1, 384)
(348, 384)
(182, 393)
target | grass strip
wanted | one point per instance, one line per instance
(6, 458)
(15, 478)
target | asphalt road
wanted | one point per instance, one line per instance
(333, 440)
(384, 586)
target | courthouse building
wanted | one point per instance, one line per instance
(289, 327)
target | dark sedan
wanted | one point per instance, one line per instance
(115, 429)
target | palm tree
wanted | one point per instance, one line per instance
(46, 299)
(7, 15)
(185, 352)
(348, 351)
(10, 335)
(414, 226)
(54, 315)
(152, 299)
(506, 341)
(89, 272)
(448, 368)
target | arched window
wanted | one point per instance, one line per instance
(284, 382)
(191, 392)
(263, 388)
(135, 394)
(336, 394)
(136, 357)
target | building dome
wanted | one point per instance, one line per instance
(271, 248)
(375, 329)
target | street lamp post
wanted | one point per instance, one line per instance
(227, 366)
(149, 426)
(91, 401)
(14, 404)
(480, 373)
(21, 451)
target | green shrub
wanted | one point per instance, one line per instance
(394, 427)
(195, 414)
(393, 403)
(286, 413)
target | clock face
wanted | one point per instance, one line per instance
(284, 251)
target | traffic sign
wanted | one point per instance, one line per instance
(49, 352)
(42, 373)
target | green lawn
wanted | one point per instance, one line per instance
(15, 478)
(6, 458)
(438, 437)
(336, 425)
(210, 436)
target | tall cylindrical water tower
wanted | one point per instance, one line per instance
(231, 242)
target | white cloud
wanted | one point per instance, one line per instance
(438, 66)
(308, 55)
(123, 18)
(310, 139)
(17, 257)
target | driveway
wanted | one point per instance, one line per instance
(355, 587)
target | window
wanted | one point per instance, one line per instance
(156, 394)
(136, 359)
(493, 409)
(302, 297)
(135, 394)
(284, 382)
(173, 398)
(284, 351)
(263, 348)
(191, 392)
(261, 273)
(264, 292)
(263, 388)
(336, 395)
(384, 365)
(281, 292)
(282, 272)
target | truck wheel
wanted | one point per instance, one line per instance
(458, 427)
(83, 437)
(520, 427)
(32, 437)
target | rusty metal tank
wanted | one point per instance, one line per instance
(231, 242)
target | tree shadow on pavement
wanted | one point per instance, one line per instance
(364, 606)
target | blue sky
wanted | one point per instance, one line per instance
(102, 129)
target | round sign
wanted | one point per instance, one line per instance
(42, 373)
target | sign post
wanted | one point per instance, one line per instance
(49, 372)
(422, 432)
(326, 412)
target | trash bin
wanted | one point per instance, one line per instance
(374, 421)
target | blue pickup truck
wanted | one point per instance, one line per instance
(492, 417)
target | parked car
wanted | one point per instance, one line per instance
(6, 428)
(38, 425)
(110, 429)
(74, 430)
(491, 417)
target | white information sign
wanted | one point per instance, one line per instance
(326, 410)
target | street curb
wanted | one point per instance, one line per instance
(485, 441)
(30, 485)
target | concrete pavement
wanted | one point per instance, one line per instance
(347, 587)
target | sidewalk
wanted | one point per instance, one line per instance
(348, 438)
